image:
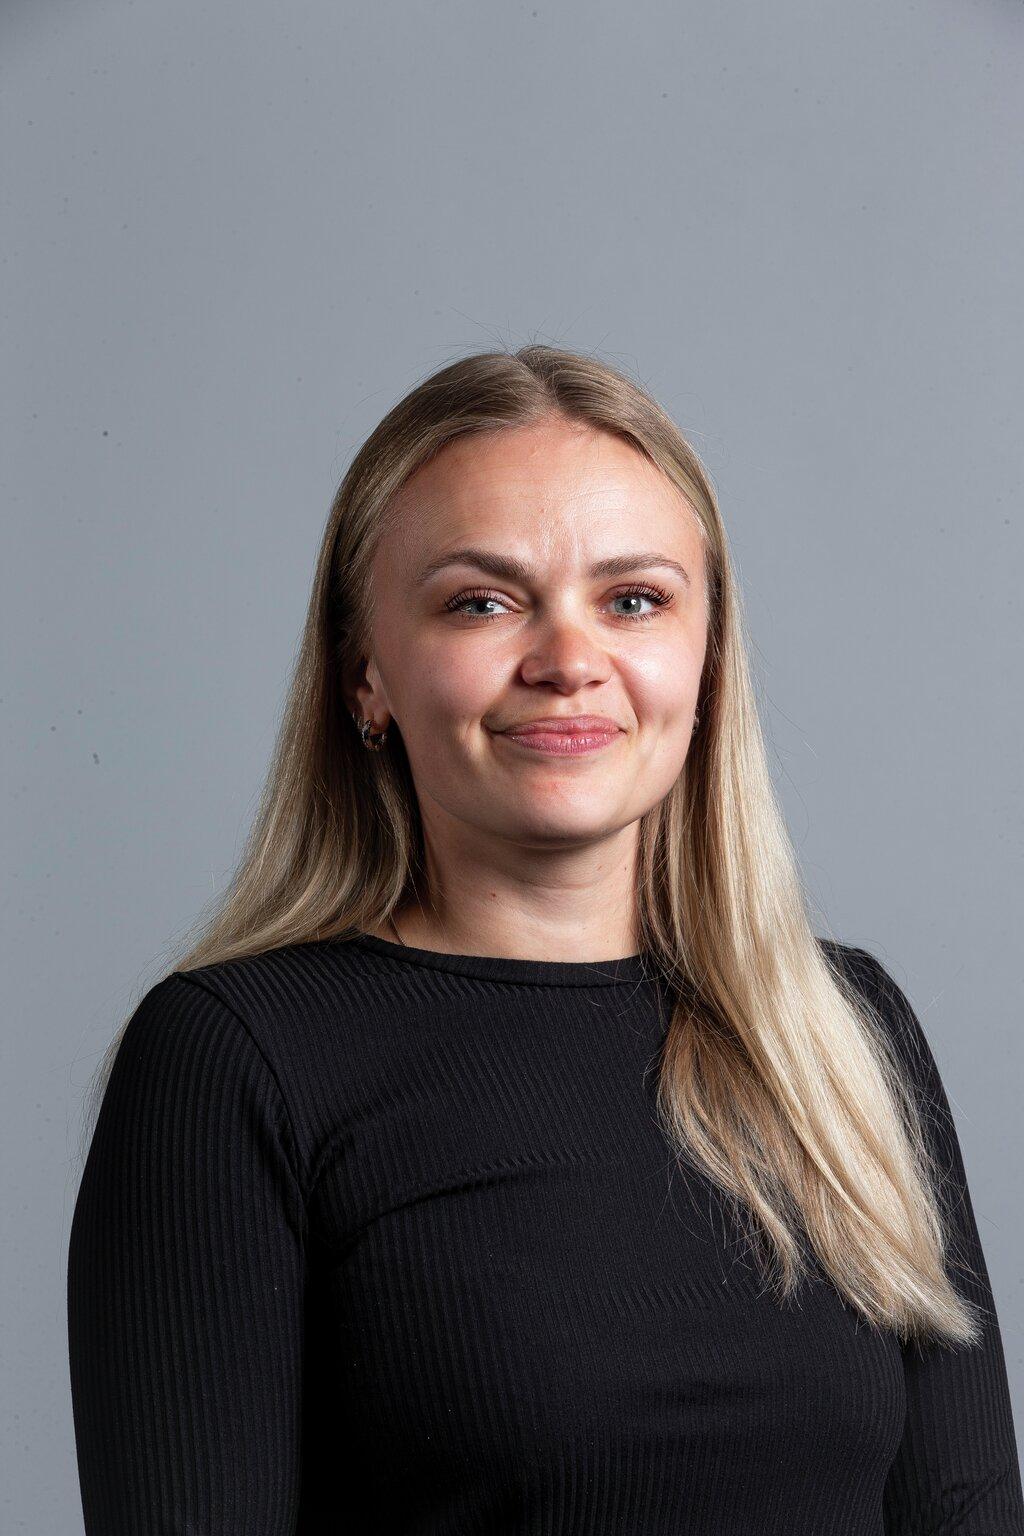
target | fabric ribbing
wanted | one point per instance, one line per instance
(379, 1239)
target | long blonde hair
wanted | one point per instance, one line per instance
(778, 1078)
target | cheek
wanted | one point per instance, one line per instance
(664, 681)
(448, 681)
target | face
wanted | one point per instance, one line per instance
(529, 627)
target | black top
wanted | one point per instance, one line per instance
(376, 1239)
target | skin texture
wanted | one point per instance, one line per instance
(531, 855)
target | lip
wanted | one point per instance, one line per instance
(564, 736)
(564, 725)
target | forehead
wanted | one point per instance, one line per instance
(548, 486)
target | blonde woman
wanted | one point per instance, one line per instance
(507, 1154)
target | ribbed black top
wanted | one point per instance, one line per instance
(376, 1239)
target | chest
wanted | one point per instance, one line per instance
(513, 1274)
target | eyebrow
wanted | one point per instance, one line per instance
(509, 568)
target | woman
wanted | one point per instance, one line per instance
(509, 1155)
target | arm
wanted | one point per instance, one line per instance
(956, 1469)
(185, 1284)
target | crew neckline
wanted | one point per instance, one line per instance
(556, 973)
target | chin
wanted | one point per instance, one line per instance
(556, 824)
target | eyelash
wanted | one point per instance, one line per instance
(657, 595)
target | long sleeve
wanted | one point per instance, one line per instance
(957, 1468)
(185, 1283)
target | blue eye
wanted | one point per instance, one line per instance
(454, 604)
(656, 595)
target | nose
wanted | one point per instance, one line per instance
(567, 657)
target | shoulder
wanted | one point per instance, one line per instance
(175, 1018)
(872, 980)
(898, 1022)
(321, 1018)
(283, 982)
(859, 965)
(877, 986)
(184, 1041)
(298, 999)
(184, 1061)
(190, 1098)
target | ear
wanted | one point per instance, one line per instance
(363, 693)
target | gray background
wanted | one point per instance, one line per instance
(235, 235)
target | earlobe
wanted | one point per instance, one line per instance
(371, 739)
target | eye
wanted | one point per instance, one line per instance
(656, 595)
(459, 601)
(653, 594)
